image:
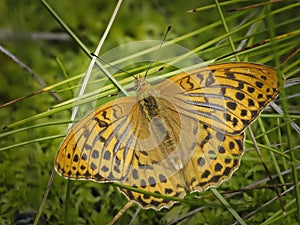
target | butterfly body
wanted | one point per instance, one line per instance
(147, 101)
(184, 134)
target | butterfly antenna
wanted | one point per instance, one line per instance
(115, 67)
(155, 57)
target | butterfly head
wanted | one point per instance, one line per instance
(142, 87)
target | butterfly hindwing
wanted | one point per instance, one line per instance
(214, 159)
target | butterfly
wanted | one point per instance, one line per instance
(184, 135)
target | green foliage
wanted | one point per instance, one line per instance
(33, 35)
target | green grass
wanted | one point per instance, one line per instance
(36, 125)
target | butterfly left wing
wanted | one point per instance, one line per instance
(100, 146)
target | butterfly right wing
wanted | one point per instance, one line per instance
(100, 146)
(214, 159)
(227, 96)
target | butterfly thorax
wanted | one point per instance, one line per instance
(147, 100)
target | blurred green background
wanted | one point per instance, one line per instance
(32, 35)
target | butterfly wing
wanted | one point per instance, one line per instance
(226, 97)
(99, 147)
(214, 159)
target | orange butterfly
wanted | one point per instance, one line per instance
(186, 134)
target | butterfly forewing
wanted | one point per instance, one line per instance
(229, 96)
(99, 147)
